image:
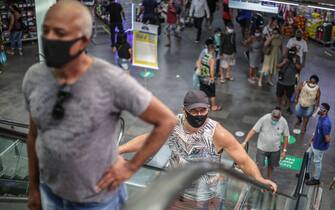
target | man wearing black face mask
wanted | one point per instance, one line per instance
(197, 137)
(300, 44)
(74, 101)
(289, 67)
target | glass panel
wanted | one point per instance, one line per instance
(13, 167)
(221, 192)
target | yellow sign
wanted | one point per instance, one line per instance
(145, 46)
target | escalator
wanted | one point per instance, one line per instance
(153, 187)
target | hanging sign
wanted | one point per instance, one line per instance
(255, 5)
(145, 45)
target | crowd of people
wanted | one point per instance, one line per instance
(75, 100)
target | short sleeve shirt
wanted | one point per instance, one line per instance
(74, 152)
(323, 128)
(300, 45)
(270, 135)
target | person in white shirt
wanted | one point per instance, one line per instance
(271, 127)
(300, 44)
(199, 9)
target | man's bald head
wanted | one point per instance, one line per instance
(74, 13)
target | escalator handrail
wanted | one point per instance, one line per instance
(13, 199)
(298, 192)
(181, 179)
(13, 123)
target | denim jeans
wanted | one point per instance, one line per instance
(15, 38)
(50, 201)
(316, 156)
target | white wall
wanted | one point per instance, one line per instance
(41, 7)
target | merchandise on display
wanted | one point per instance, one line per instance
(28, 18)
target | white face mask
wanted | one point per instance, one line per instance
(229, 30)
(257, 34)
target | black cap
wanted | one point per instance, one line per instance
(326, 106)
(195, 99)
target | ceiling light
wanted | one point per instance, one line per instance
(324, 8)
(282, 2)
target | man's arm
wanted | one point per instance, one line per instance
(207, 10)
(163, 121)
(11, 22)
(283, 153)
(250, 134)
(34, 199)
(133, 145)
(224, 140)
(280, 65)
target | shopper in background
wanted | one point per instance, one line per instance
(198, 11)
(197, 137)
(149, 9)
(300, 44)
(228, 50)
(75, 102)
(308, 97)
(273, 48)
(289, 67)
(255, 44)
(171, 20)
(116, 14)
(244, 18)
(206, 67)
(319, 144)
(267, 30)
(16, 27)
(226, 13)
(272, 128)
(124, 52)
(212, 7)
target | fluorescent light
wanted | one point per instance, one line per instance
(282, 2)
(324, 8)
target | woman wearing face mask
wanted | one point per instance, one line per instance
(255, 44)
(272, 56)
(307, 99)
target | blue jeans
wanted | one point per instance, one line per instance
(50, 201)
(317, 156)
(15, 37)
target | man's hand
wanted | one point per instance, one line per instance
(120, 171)
(282, 155)
(34, 199)
(244, 144)
(269, 183)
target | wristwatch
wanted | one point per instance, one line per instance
(284, 150)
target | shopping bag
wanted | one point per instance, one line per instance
(3, 58)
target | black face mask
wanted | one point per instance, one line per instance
(195, 121)
(57, 52)
(298, 38)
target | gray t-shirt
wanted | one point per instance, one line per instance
(75, 151)
(270, 135)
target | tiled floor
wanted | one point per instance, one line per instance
(242, 103)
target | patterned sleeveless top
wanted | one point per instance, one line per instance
(205, 67)
(186, 147)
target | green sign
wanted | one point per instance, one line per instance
(291, 163)
(291, 139)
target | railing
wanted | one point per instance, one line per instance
(181, 179)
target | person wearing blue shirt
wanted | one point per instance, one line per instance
(319, 144)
